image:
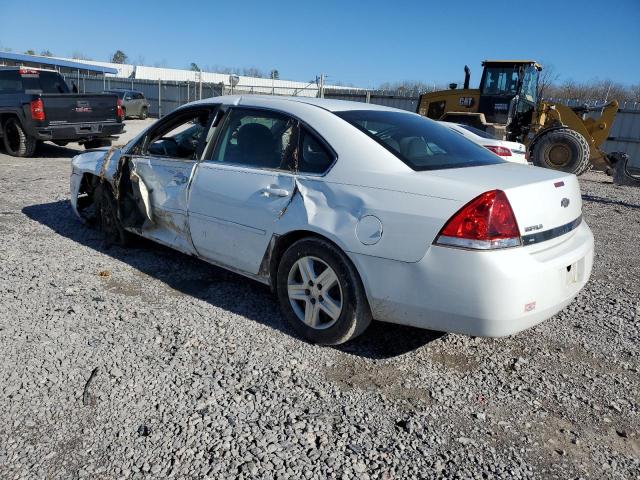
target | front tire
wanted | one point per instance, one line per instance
(107, 216)
(562, 149)
(17, 141)
(320, 293)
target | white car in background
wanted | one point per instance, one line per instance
(510, 151)
(350, 212)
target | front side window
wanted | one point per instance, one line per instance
(179, 137)
(257, 138)
(530, 84)
(420, 143)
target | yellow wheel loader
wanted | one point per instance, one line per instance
(506, 105)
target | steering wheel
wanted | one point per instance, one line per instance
(164, 146)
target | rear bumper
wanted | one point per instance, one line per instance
(77, 131)
(492, 294)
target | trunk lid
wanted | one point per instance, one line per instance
(79, 108)
(541, 199)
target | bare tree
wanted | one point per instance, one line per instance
(407, 86)
(252, 72)
(547, 78)
(46, 53)
(77, 55)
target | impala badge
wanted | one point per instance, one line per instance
(564, 202)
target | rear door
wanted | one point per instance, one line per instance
(238, 193)
(163, 165)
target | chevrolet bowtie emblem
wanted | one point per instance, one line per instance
(564, 202)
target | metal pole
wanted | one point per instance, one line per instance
(159, 98)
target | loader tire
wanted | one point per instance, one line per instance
(17, 141)
(562, 149)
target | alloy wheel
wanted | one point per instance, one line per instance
(314, 292)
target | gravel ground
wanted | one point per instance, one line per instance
(142, 362)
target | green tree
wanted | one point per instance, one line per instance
(46, 53)
(119, 57)
(194, 67)
(30, 52)
(274, 74)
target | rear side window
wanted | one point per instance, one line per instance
(314, 156)
(10, 81)
(420, 143)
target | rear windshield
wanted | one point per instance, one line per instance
(477, 131)
(120, 93)
(420, 143)
(44, 82)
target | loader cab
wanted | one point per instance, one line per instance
(501, 82)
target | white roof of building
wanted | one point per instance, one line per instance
(245, 83)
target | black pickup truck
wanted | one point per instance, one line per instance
(37, 105)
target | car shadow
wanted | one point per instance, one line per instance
(607, 201)
(224, 289)
(50, 150)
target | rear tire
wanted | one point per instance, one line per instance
(144, 114)
(17, 142)
(328, 314)
(562, 149)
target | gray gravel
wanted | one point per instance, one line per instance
(131, 363)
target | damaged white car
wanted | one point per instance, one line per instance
(350, 212)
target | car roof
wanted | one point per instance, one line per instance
(282, 102)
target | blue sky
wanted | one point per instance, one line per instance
(362, 43)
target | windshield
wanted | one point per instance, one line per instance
(420, 143)
(500, 81)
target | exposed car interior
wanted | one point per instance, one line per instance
(179, 139)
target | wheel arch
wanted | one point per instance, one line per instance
(280, 243)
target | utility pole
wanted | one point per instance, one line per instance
(322, 85)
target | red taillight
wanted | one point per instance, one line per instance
(502, 151)
(484, 223)
(37, 109)
(119, 112)
(28, 71)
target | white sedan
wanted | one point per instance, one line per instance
(510, 151)
(350, 212)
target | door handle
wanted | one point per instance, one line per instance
(273, 191)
